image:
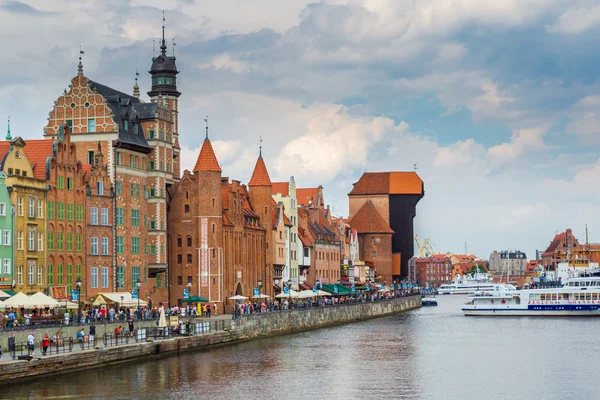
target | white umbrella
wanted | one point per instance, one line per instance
(323, 293)
(20, 300)
(162, 320)
(305, 294)
(238, 297)
(261, 296)
(43, 300)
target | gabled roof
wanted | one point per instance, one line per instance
(555, 242)
(308, 196)
(260, 176)
(282, 188)
(368, 220)
(4, 148)
(207, 160)
(37, 152)
(388, 183)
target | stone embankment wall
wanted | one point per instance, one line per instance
(249, 327)
(272, 324)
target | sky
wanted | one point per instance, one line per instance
(496, 102)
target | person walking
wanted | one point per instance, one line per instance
(45, 344)
(215, 309)
(131, 327)
(31, 344)
(93, 333)
(80, 336)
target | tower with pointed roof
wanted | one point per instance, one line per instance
(261, 200)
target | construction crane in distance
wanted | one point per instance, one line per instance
(426, 248)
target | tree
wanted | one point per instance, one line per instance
(479, 268)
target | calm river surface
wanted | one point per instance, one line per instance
(431, 353)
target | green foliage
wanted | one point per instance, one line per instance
(477, 268)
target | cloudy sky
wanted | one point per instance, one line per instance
(497, 102)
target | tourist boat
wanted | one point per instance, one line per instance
(467, 284)
(578, 297)
(428, 300)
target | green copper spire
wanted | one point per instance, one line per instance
(8, 137)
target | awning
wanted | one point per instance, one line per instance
(9, 292)
(43, 300)
(195, 299)
(341, 289)
(115, 297)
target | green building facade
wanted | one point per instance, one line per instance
(6, 236)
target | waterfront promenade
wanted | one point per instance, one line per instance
(150, 343)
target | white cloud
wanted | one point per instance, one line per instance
(576, 20)
(463, 152)
(585, 120)
(522, 143)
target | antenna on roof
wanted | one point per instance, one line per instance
(80, 65)
(206, 120)
(415, 166)
(333, 208)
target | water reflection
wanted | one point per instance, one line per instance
(432, 353)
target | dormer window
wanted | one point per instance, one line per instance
(126, 125)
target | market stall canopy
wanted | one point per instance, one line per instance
(43, 300)
(305, 294)
(4, 295)
(20, 300)
(115, 297)
(341, 289)
(237, 297)
(68, 304)
(195, 299)
(261, 296)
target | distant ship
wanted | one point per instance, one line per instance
(579, 296)
(428, 297)
(467, 284)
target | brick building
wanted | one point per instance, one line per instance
(394, 196)
(218, 232)
(139, 142)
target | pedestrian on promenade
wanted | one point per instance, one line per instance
(92, 333)
(80, 336)
(111, 314)
(215, 308)
(45, 344)
(207, 310)
(131, 327)
(31, 344)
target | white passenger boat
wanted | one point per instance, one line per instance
(467, 284)
(579, 297)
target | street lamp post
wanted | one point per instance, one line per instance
(78, 282)
(138, 284)
(189, 285)
(259, 287)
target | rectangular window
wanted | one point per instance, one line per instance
(91, 125)
(131, 189)
(152, 225)
(60, 240)
(60, 182)
(120, 216)
(70, 183)
(40, 241)
(118, 187)
(31, 274)
(31, 208)
(135, 218)
(6, 238)
(31, 240)
(6, 266)
(104, 277)
(78, 242)
(94, 242)
(104, 216)
(151, 134)
(135, 274)
(20, 275)
(59, 274)
(79, 212)
(137, 190)
(50, 240)
(39, 209)
(152, 192)
(152, 249)
(90, 159)
(2, 209)
(94, 277)
(120, 276)
(69, 242)
(50, 210)
(70, 209)
(118, 158)
(40, 275)
(151, 165)
(69, 278)
(104, 246)
(159, 281)
(135, 245)
(19, 206)
(69, 123)
(61, 211)
(100, 188)
(120, 244)
(94, 215)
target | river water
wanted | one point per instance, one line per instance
(431, 353)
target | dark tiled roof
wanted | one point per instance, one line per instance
(145, 111)
(123, 107)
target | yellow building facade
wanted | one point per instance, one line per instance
(28, 197)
